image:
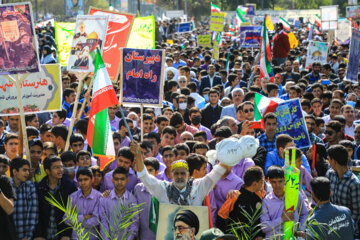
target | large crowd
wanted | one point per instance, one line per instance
(206, 102)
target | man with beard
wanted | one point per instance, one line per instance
(289, 75)
(315, 75)
(185, 225)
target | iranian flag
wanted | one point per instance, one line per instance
(318, 20)
(265, 53)
(99, 131)
(214, 8)
(262, 106)
(285, 23)
(239, 17)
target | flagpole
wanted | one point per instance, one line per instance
(126, 124)
(142, 121)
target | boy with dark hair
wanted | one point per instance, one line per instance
(37, 171)
(11, 145)
(212, 112)
(31, 133)
(68, 160)
(26, 203)
(326, 214)
(45, 133)
(267, 139)
(169, 154)
(168, 136)
(59, 117)
(118, 195)
(148, 123)
(86, 200)
(201, 136)
(177, 121)
(154, 139)
(51, 225)
(69, 97)
(4, 164)
(197, 165)
(76, 142)
(182, 150)
(345, 186)
(273, 208)
(83, 159)
(161, 122)
(32, 120)
(201, 148)
(144, 196)
(60, 133)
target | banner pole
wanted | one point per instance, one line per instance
(84, 103)
(80, 76)
(126, 124)
(142, 121)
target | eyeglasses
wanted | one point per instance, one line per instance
(329, 133)
(248, 110)
(182, 81)
(180, 228)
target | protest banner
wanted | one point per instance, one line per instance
(317, 52)
(217, 21)
(204, 41)
(175, 14)
(142, 34)
(329, 17)
(89, 34)
(142, 77)
(74, 7)
(343, 32)
(183, 27)
(64, 33)
(168, 213)
(354, 57)
(250, 36)
(119, 27)
(44, 85)
(291, 122)
(353, 12)
(293, 40)
(251, 9)
(18, 45)
(216, 50)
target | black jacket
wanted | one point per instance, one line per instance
(208, 117)
(42, 188)
(294, 77)
(205, 82)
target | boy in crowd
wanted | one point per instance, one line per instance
(4, 164)
(68, 160)
(169, 156)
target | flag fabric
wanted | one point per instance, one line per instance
(285, 23)
(99, 131)
(262, 106)
(214, 8)
(318, 20)
(243, 10)
(239, 17)
(154, 214)
(265, 53)
(269, 24)
(353, 23)
(310, 31)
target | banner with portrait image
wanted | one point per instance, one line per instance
(89, 34)
(142, 35)
(142, 77)
(316, 52)
(181, 222)
(250, 36)
(291, 122)
(74, 7)
(343, 32)
(119, 27)
(354, 57)
(64, 33)
(18, 45)
(44, 85)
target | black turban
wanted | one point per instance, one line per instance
(188, 217)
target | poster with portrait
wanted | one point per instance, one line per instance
(18, 44)
(90, 32)
(74, 8)
(343, 32)
(317, 52)
(142, 77)
(119, 27)
(354, 57)
(45, 84)
(181, 222)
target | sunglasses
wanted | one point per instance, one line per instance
(249, 110)
(329, 133)
(182, 81)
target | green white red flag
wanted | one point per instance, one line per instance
(286, 24)
(215, 8)
(265, 53)
(262, 106)
(99, 130)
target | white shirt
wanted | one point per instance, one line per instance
(198, 98)
(349, 130)
(200, 188)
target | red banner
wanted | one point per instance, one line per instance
(119, 27)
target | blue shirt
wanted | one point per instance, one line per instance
(273, 158)
(180, 64)
(66, 106)
(264, 142)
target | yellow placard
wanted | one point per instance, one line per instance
(204, 41)
(217, 21)
(292, 40)
(142, 35)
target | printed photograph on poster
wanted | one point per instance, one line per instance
(354, 57)
(64, 33)
(195, 219)
(18, 44)
(90, 32)
(142, 77)
(74, 7)
(119, 26)
(45, 84)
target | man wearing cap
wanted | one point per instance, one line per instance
(185, 225)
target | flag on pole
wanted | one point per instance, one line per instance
(99, 131)
(265, 53)
(269, 24)
(262, 106)
(285, 23)
(243, 10)
(239, 17)
(214, 8)
(310, 31)
(318, 20)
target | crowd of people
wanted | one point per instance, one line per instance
(206, 102)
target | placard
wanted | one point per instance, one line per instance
(44, 85)
(18, 45)
(142, 77)
(194, 217)
(204, 41)
(250, 36)
(291, 122)
(317, 52)
(353, 12)
(343, 32)
(74, 7)
(354, 57)
(217, 21)
(175, 14)
(329, 17)
(64, 33)
(89, 34)
(118, 31)
(183, 27)
(142, 35)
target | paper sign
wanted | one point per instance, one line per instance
(204, 41)
(64, 33)
(317, 52)
(142, 35)
(250, 36)
(217, 21)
